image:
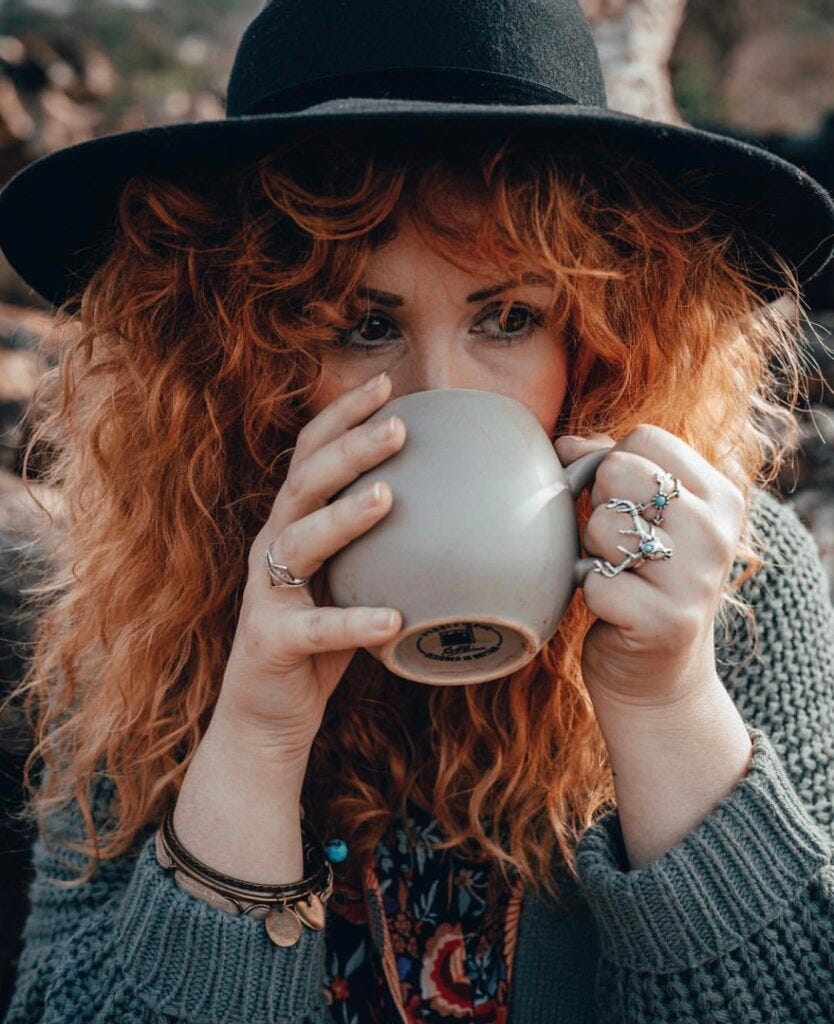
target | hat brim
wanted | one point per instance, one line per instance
(57, 213)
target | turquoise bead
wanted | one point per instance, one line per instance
(336, 850)
(660, 501)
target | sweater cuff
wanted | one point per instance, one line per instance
(203, 965)
(738, 870)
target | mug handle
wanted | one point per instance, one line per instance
(580, 474)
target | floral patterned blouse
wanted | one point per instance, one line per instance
(450, 929)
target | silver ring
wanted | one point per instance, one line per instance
(649, 548)
(660, 499)
(280, 575)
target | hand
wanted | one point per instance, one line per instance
(652, 644)
(288, 654)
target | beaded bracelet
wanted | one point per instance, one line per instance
(284, 908)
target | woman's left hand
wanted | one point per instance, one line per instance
(652, 644)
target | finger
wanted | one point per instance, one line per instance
(312, 481)
(699, 563)
(672, 454)
(634, 478)
(345, 411)
(569, 447)
(621, 600)
(611, 537)
(639, 615)
(306, 543)
(307, 631)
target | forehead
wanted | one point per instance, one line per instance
(409, 263)
(450, 248)
(408, 260)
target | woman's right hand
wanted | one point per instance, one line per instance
(289, 654)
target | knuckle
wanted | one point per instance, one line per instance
(714, 529)
(254, 635)
(739, 497)
(736, 500)
(644, 433)
(687, 625)
(314, 627)
(702, 588)
(296, 476)
(288, 541)
(348, 445)
(342, 513)
(611, 468)
(302, 439)
(726, 546)
(618, 457)
(681, 626)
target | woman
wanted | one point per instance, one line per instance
(636, 825)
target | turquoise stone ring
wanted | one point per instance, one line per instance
(649, 547)
(661, 499)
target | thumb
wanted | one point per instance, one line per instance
(570, 446)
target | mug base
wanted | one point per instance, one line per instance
(454, 652)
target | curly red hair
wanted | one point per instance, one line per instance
(175, 404)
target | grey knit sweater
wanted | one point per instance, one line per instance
(734, 925)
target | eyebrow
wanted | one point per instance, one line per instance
(392, 301)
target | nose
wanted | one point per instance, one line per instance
(433, 363)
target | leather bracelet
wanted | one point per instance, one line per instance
(284, 908)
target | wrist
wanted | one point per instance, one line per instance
(708, 711)
(238, 811)
(283, 756)
(657, 687)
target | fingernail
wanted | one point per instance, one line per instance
(382, 431)
(374, 382)
(372, 497)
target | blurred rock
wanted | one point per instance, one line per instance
(635, 39)
(52, 84)
(18, 373)
(597, 10)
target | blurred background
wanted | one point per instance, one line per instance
(762, 70)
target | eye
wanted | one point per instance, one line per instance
(519, 322)
(375, 323)
(513, 327)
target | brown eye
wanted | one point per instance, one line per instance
(519, 322)
(371, 329)
(515, 322)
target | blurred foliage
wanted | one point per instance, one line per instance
(695, 93)
(711, 32)
(157, 47)
(160, 46)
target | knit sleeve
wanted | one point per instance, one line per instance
(130, 947)
(736, 922)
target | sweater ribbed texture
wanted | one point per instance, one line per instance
(748, 863)
(733, 925)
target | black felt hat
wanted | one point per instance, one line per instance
(410, 66)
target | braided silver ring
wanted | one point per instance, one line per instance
(280, 575)
(649, 547)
